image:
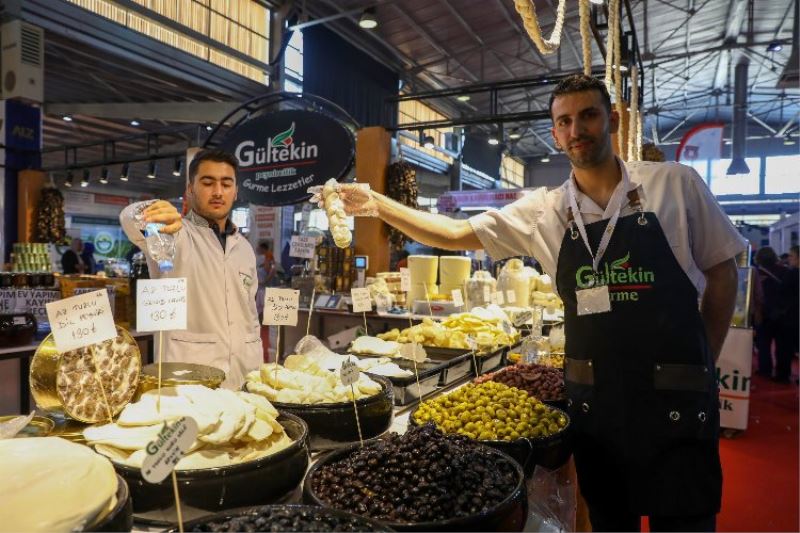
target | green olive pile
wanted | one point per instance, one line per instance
(491, 411)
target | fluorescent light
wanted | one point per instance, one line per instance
(463, 98)
(514, 135)
(494, 141)
(209, 127)
(368, 20)
(775, 46)
(68, 182)
(427, 141)
(788, 141)
(178, 167)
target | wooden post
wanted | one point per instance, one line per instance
(373, 154)
(30, 185)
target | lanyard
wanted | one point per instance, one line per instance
(616, 203)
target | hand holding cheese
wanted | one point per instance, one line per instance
(334, 208)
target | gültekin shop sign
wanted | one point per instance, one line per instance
(282, 154)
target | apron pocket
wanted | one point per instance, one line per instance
(199, 348)
(579, 382)
(680, 377)
(685, 407)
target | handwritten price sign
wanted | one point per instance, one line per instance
(361, 300)
(302, 247)
(161, 304)
(81, 320)
(280, 307)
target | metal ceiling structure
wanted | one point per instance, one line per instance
(688, 49)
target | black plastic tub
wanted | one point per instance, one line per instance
(121, 516)
(307, 513)
(551, 452)
(333, 425)
(509, 515)
(405, 389)
(210, 490)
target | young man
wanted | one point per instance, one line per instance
(220, 269)
(630, 246)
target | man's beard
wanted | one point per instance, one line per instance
(208, 214)
(597, 153)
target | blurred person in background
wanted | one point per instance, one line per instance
(87, 255)
(773, 319)
(71, 261)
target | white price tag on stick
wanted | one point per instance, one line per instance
(405, 280)
(81, 320)
(349, 373)
(480, 255)
(280, 307)
(163, 453)
(362, 302)
(511, 297)
(161, 304)
(458, 298)
(302, 247)
(487, 295)
(498, 298)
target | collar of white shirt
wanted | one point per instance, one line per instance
(589, 207)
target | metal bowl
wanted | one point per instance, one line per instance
(210, 490)
(333, 425)
(509, 515)
(120, 518)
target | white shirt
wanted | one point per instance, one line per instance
(222, 323)
(700, 233)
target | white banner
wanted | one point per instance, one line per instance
(734, 368)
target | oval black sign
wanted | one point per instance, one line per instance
(284, 153)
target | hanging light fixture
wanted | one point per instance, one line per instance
(368, 20)
(68, 181)
(135, 123)
(126, 172)
(775, 46)
(104, 173)
(545, 159)
(496, 135)
(178, 169)
(463, 98)
(85, 179)
(67, 118)
(514, 135)
(152, 169)
(788, 141)
(427, 140)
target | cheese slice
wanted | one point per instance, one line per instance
(51, 484)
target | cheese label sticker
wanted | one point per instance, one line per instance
(511, 297)
(166, 451)
(349, 373)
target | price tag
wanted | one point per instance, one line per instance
(472, 343)
(20, 321)
(498, 298)
(405, 280)
(458, 298)
(382, 301)
(81, 320)
(413, 351)
(280, 307)
(511, 297)
(168, 449)
(362, 302)
(480, 255)
(522, 318)
(161, 304)
(349, 373)
(487, 294)
(302, 247)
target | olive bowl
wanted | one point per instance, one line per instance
(509, 515)
(550, 452)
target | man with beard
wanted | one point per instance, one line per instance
(220, 270)
(630, 246)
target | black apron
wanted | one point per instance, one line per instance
(641, 385)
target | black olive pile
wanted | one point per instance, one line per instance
(420, 476)
(286, 519)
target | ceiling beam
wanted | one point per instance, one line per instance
(194, 112)
(513, 22)
(733, 26)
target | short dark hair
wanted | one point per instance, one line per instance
(264, 245)
(211, 154)
(766, 256)
(578, 83)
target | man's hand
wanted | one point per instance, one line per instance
(357, 200)
(164, 212)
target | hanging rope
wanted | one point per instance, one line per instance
(586, 32)
(611, 38)
(639, 137)
(527, 11)
(633, 115)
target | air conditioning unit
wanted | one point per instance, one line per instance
(22, 61)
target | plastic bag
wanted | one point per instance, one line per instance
(552, 499)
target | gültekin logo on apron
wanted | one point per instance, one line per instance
(623, 279)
